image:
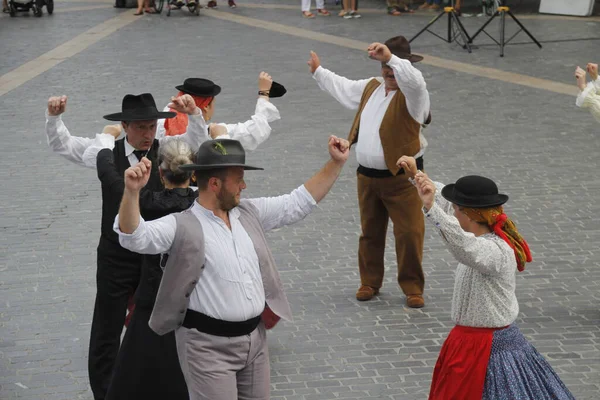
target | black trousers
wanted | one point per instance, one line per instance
(117, 277)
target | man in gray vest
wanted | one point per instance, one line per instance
(220, 289)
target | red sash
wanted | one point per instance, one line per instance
(461, 367)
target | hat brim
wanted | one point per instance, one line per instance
(124, 116)
(216, 90)
(277, 90)
(197, 167)
(413, 58)
(482, 202)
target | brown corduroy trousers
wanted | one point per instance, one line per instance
(379, 200)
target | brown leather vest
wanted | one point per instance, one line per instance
(399, 132)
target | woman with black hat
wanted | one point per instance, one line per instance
(147, 366)
(589, 93)
(485, 355)
(250, 133)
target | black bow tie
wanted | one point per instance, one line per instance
(140, 153)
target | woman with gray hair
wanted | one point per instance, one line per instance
(147, 366)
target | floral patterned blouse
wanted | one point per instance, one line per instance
(484, 284)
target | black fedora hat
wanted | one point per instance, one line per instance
(475, 192)
(199, 87)
(219, 153)
(139, 108)
(277, 90)
(400, 47)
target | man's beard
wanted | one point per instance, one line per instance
(227, 201)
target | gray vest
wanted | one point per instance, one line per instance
(186, 264)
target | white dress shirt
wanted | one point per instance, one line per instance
(369, 151)
(231, 287)
(590, 98)
(250, 133)
(484, 284)
(74, 147)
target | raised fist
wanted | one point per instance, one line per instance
(339, 149)
(313, 62)
(379, 52)
(183, 104)
(57, 105)
(580, 76)
(136, 177)
(592, 69)
(264, 82)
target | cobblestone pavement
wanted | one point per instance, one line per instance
(539, 147)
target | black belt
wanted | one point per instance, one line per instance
(212, 326)
(384, 173)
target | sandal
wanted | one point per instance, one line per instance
(5, 10)
(150, 11)
(393, 11)
(307, 14)
(405, 9)
(138, 13)
(323, 12)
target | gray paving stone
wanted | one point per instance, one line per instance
(536, 144)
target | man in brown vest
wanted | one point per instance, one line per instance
(387, 126)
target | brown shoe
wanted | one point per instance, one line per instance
(365, 293)
(415, 301)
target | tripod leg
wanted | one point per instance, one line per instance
(462, 31)
(462, 28)
(449, 28)
(524, 29)
(502, 22)
(484, 26)
(427, 26)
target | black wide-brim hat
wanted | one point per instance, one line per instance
(277, 90)
(219, 153)
(474, 191)
(139, 108)
(199, 87)
(400, 47)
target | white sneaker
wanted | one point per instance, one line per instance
(355, 14)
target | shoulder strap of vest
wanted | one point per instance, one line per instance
(369, 89)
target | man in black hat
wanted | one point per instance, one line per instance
(221, 289)
(250, 133)
(391, 112)
(118, 269)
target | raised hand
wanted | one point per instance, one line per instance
(426, 189)
(113, 130)
(409, 165)
(339, 149)
(216, 130)
(136, 177)
(264, 82)
(57, 105)
(183, 104)
(592, 69)
(580, 76)
(379, 52)
(313, 62)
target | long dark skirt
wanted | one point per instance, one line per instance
(147, 365)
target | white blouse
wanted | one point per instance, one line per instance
(484, 284)
(250, 133)
(590, 98)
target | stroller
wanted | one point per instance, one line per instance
(15, 6)
(193, 7)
